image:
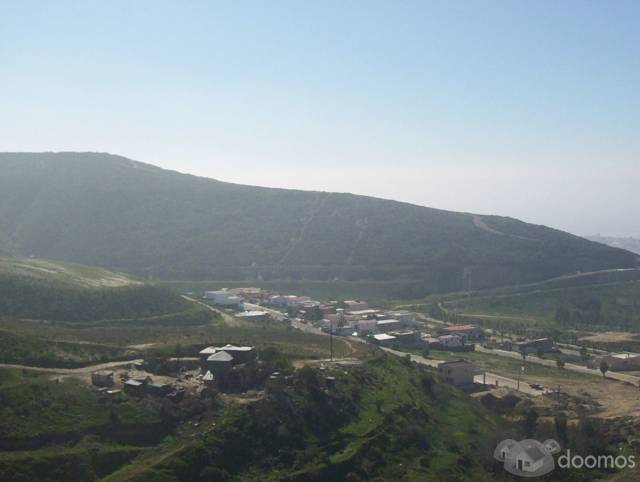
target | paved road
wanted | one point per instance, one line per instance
(225, 316)
(491, 378)
(623, 377)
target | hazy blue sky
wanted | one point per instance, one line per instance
(522, 108)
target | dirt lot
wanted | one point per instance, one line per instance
(612, 398)
(612, 337)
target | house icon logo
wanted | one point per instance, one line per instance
(527, 458)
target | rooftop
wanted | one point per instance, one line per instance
(384, 337)
(210, 350)
(626, 355)
(236, 348)
(467, 326)
(221, 356)
(248, 314)
(364, 312)
(387, 322)
(158, 385)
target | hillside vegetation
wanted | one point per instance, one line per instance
(384, 420)
(61, 430)
(47, 290)
(110, 211)
(599, 307)
(68, 273)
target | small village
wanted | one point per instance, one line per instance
(237, 369)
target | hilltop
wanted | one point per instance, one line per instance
(110, 211)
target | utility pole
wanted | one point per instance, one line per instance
(331, 339)
(519, 373)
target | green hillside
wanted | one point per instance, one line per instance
(68, 273)
(110, 211)
(48, 290)
(599, 307)
(384, 420)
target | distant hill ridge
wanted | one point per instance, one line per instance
(110, 211)
(629, 243)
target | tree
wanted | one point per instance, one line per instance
(604, 367)
(584, 355)
(214, 474)
(523, 354)
(406, 360)
(560, 363)
(540, 353)
(425, 352)
(560, 421)
(563, 315)
(529, 422)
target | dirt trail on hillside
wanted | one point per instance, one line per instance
(73, 371)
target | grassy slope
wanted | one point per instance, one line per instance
(56, 431)
(111, 211)
(68, 273)
(34, 350)
(591, 307)
(46, 308)
(55, 291)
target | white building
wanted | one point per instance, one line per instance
(384, 339)
(224, 298)
(404, 316)
(255, 315)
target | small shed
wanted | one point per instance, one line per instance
(133, 387)
(102, 378)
